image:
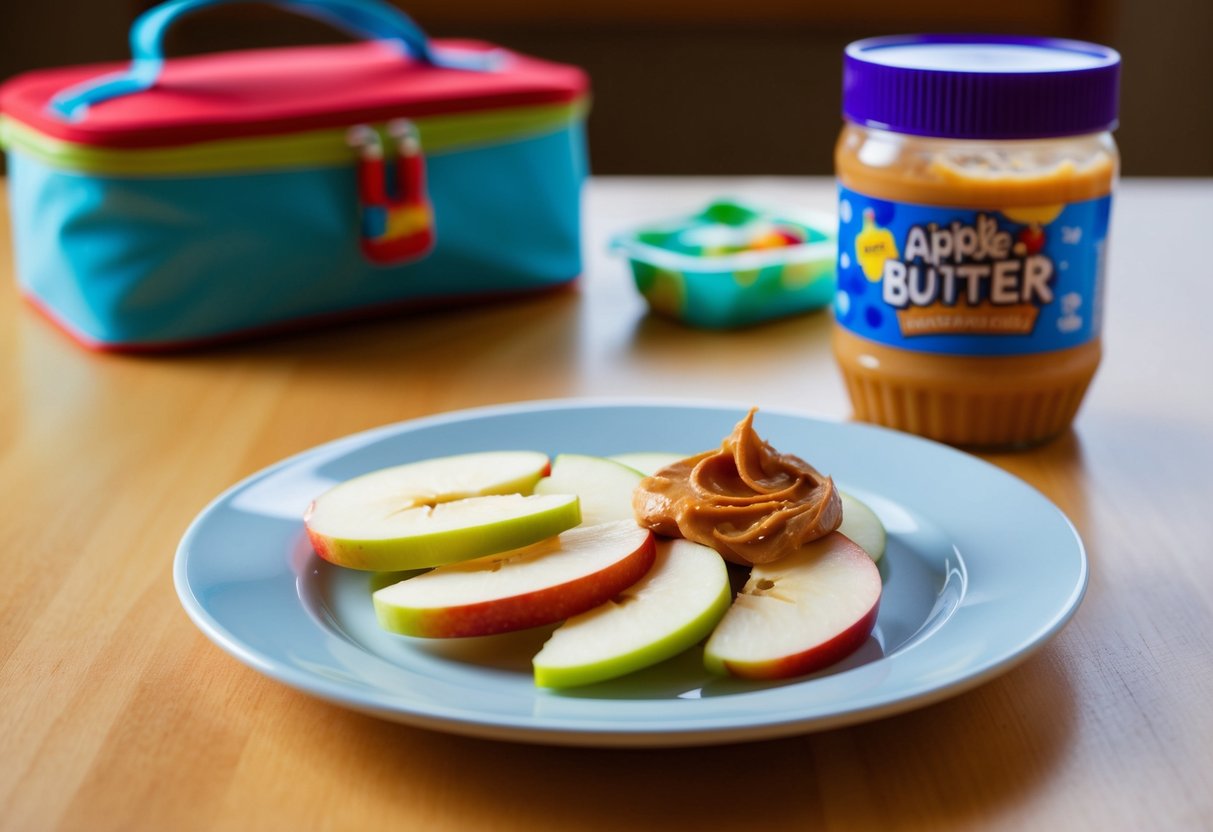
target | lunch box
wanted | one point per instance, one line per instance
(171, 202)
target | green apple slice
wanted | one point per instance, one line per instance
(605, 487)
(437, 511)
(862, 525)
(667, 611)
(381, 540)
(798, 614)
(648, 462)
(526, 587)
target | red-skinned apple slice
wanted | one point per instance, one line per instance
(799, 614)
(437, 511)
(527, 587)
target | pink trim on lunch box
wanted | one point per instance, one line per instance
(274, 91)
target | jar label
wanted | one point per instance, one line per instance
(1003, 281)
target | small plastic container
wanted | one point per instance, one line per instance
(733, 264)
(975, 180)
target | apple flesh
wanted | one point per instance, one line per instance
(862, 525)
(798, 614)
(669, 610)
(526, 587)
(437, 511)
(603, 486)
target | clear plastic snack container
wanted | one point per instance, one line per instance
(733, 264)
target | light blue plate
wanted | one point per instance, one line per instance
(980, 570)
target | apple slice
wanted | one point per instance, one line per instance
(537, 584)
(667, 611)
(648, 462)
(604, 487)
(862, 525)
(799, 614)
(437, 511)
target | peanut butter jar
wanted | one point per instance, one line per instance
(975, 180)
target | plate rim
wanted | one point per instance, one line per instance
(557, 732)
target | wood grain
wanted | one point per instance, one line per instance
(116, 713)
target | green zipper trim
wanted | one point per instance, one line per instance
(313, 148)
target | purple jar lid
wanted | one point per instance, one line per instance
(981, 86)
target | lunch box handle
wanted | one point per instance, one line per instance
(371, 19)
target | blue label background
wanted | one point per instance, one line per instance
(1078, 268)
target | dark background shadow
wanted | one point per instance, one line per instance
(714, 87)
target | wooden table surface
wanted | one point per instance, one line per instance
(117, 713)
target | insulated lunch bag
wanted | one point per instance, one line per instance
(170, 202)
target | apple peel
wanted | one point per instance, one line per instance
(527, 587)
(436, 511)
(672, 608)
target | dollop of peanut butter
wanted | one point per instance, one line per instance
(746, 500)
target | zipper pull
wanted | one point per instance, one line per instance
(410, 172)
(372, 178)
(396, 226)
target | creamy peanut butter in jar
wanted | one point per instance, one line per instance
(975, 182)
